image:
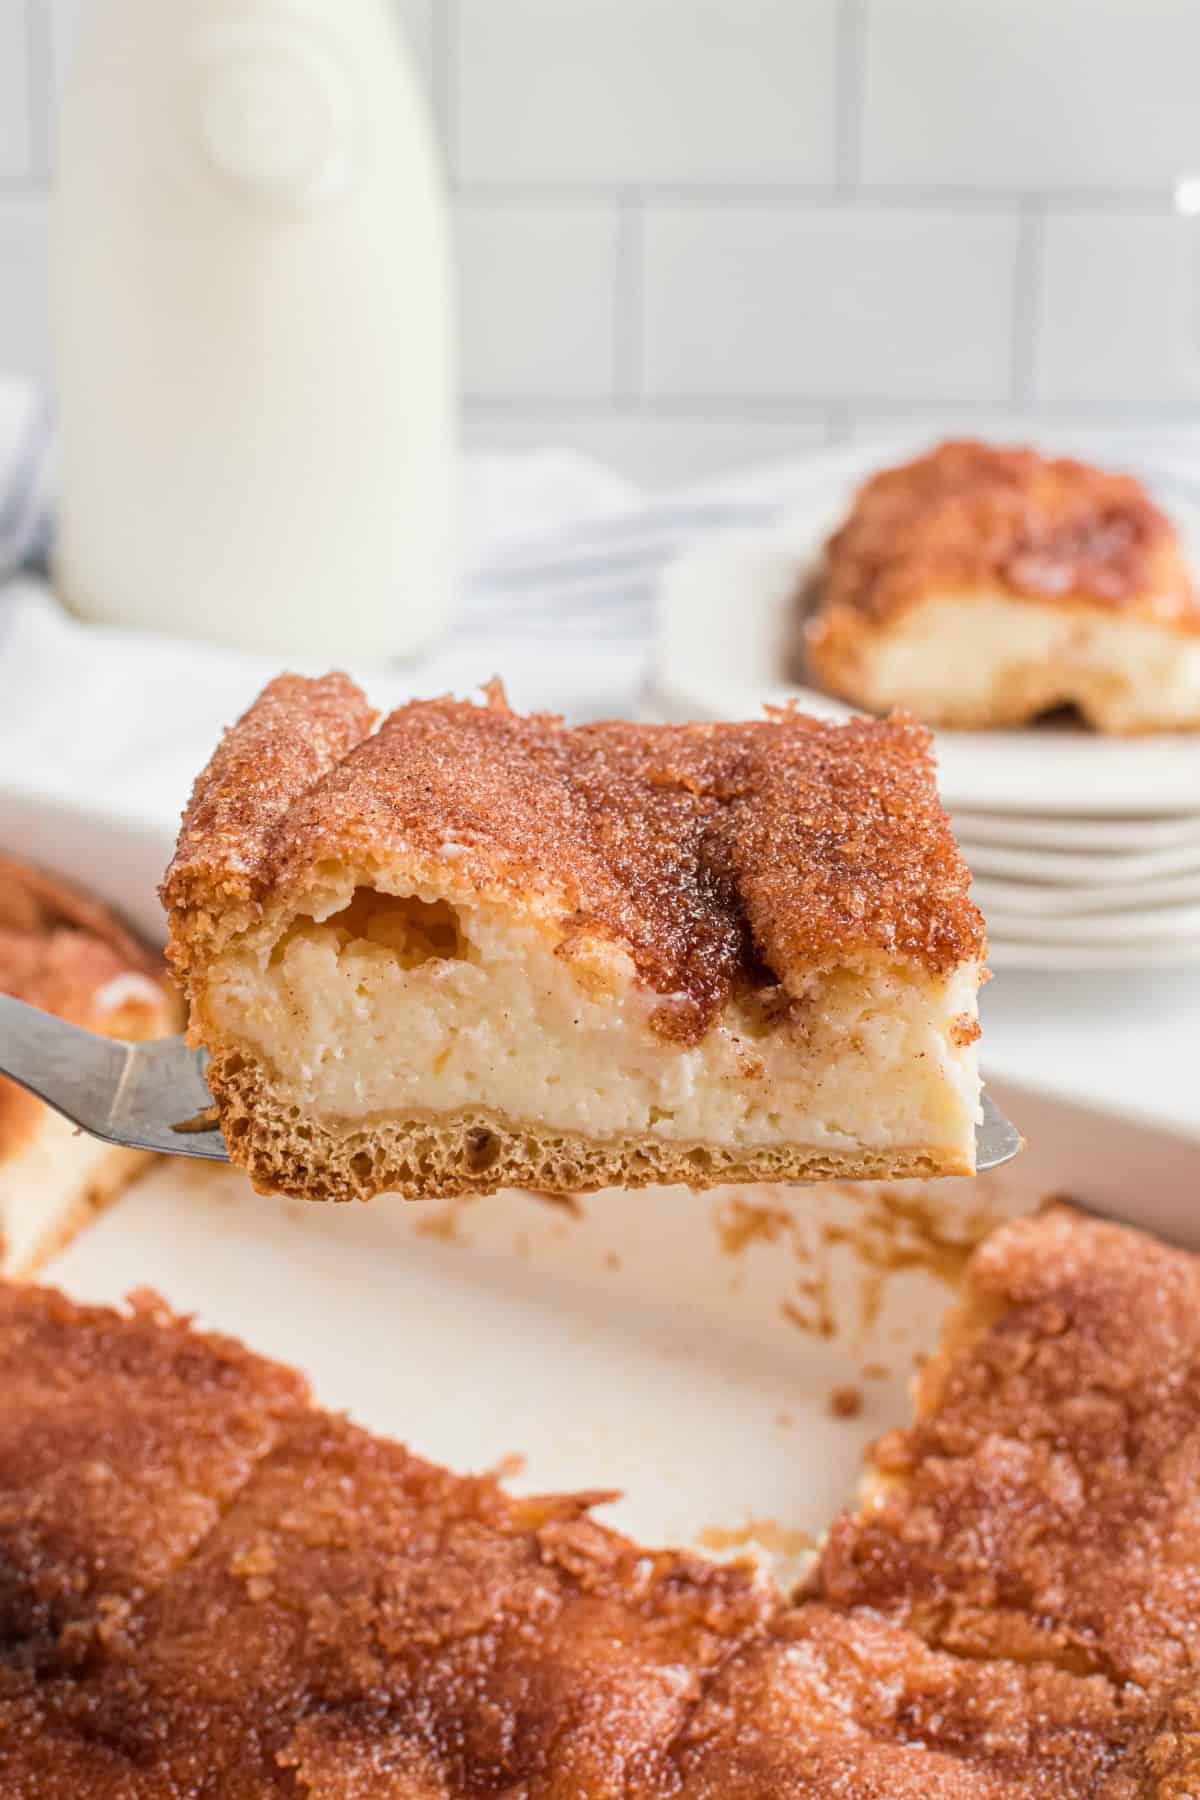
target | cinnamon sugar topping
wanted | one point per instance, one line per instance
(967, 513)
(209, 1588)
(720, 857)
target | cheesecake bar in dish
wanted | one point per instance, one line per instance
(66, 954)
(464, 949)
(212, 1590)
(980, 586)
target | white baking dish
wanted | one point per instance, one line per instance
(695, 1351)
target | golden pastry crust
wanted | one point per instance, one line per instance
(969, 514)
(1066, 1410)
(294, 735)
(1065, 583)
(705, 851)
(209, 1588)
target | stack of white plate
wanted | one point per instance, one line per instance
(1085, 849)
(1086, 892)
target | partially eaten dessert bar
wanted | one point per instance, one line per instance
(209, 1590)
(468, 949)
(982, 586)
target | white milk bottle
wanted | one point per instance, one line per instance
(253, 330)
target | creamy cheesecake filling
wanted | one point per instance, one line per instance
(969, 654)
(399, 1006)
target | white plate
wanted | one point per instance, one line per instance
(724, 617)
(1169, 905)
(1015, 954)
(1100, 836)
(1147, 930)
(1078, 872)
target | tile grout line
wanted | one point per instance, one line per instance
(445, 38)
(809, 409)
(24, 187)
(730, 196)
(627, 302)
(39, 73)
(1027, 284)
(849, 71)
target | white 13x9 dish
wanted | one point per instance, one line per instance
(697, 1352)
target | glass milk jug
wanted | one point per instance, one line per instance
(253, 330)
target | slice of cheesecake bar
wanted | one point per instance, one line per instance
(469, 950)
(66, 954)
(982, 586)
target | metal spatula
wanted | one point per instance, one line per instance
(154, 1096)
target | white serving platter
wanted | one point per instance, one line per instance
(695, 1352)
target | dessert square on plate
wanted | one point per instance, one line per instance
(981, 586)
(469, 950)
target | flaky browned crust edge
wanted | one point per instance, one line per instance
(294, 733)
(477, 1153)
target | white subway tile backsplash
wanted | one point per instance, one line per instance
(537, 301)
(698, 233)
(653, 451)
(828, 304)
(24, 327)
(1030, 93)
(646, 90)
(1119, 312)
(16, 116)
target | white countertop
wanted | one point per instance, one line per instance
(1125, 1040)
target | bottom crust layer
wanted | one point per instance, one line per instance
(285, 1151)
